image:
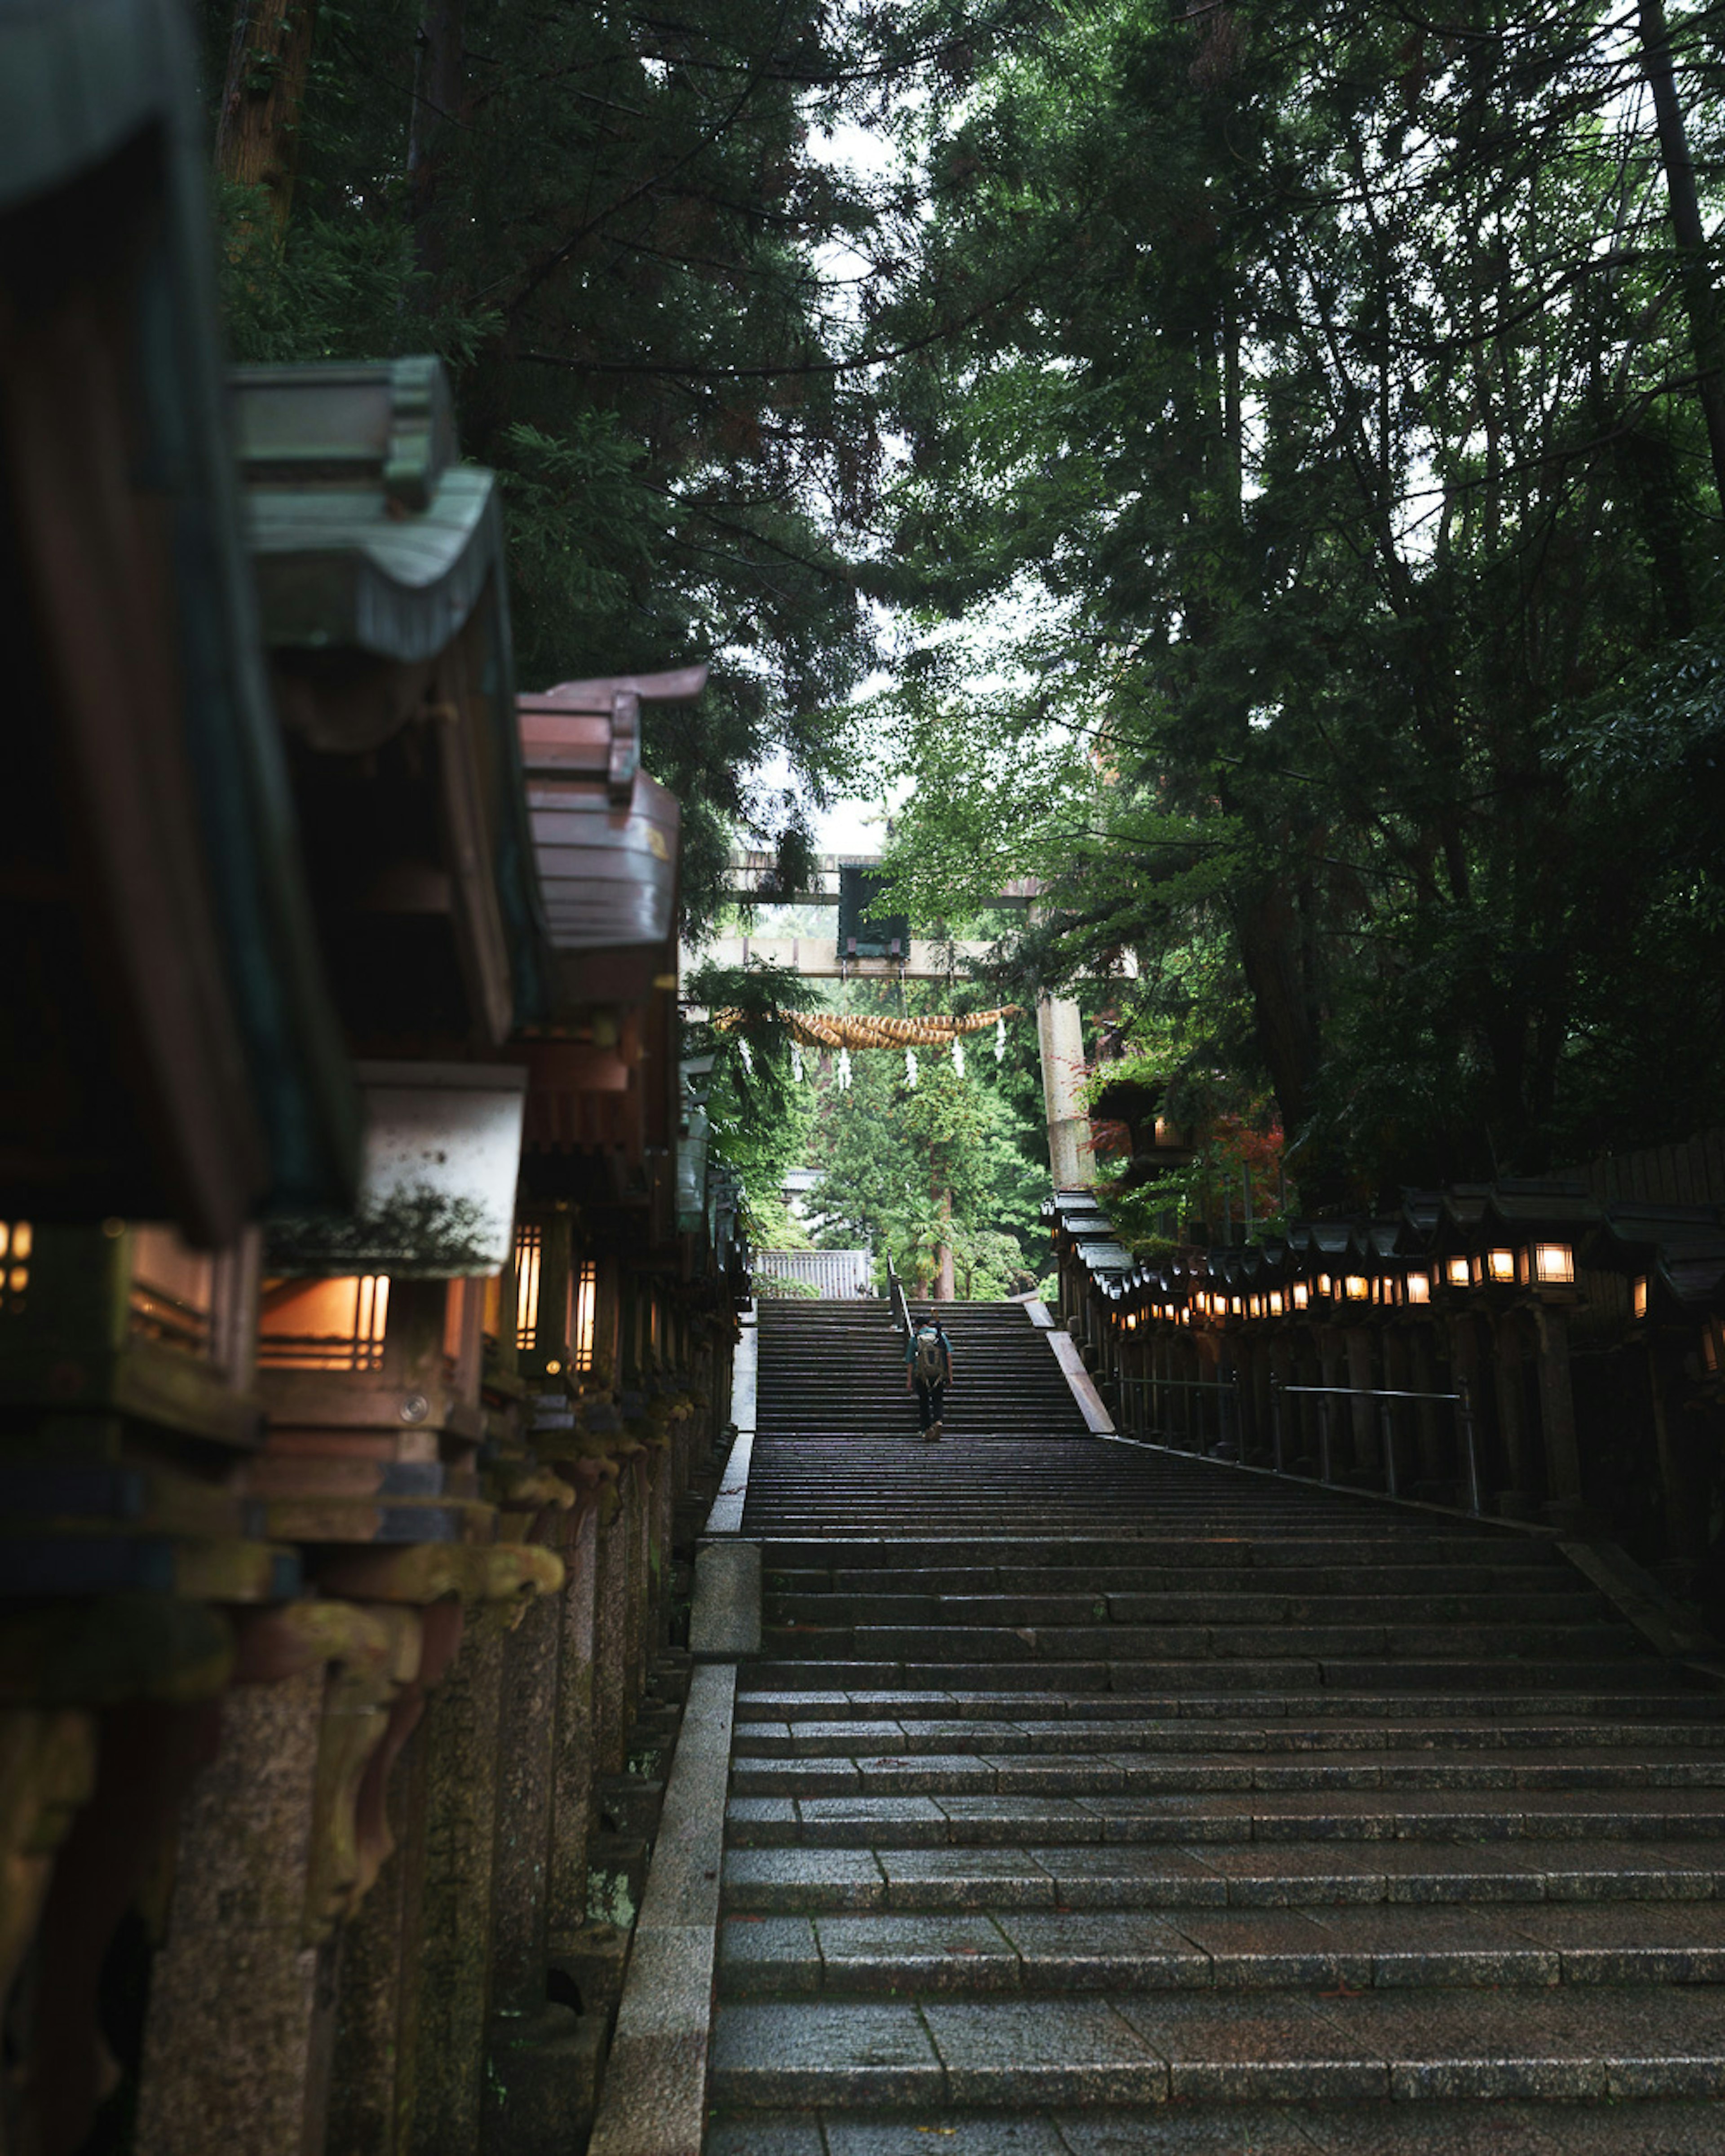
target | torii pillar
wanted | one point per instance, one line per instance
(1059, 1035)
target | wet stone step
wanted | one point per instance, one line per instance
(1195, 1673)
(974, 1953)
(923, 1821)
(1569, 2042)
(1214, 1546)
(1599, 2126)
(1415, 1582)
(1082, 1641)
(1569, 1874)
(1101, 1605)
(767, 1737)
(887, 1772)
(1091, 1801)
(815, 1699)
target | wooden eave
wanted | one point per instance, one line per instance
(606, 838)
(183, 1058)
(380, 561)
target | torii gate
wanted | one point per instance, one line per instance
(1059, 1031)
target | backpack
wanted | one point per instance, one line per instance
(931, 1356)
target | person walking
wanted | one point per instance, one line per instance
(928, 1366)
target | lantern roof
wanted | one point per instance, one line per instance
(379, 562)
(367, 533)
(1529, 1208)
(1418, 1222)
(606, 835)
(1460, 1219)
(606, 840)
(1635, 1237)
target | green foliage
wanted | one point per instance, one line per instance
(759, 1117)
(1333, 451)
(913, 1170)
(616, 233)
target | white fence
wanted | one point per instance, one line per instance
(816, 1272)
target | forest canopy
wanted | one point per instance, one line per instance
(1272, 453)
(1333, 522)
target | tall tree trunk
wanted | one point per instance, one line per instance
(258, 134)
(1268, 931)
(439, 76)
(945, 1281)
(1698, 295)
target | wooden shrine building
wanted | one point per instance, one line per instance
(366, 1305)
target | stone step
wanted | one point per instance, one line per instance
(814, 1700)
(967, 1773)
(1216, 1876)
(978, 1952)
(1380, 1557)
(1118, 1577)
(1261, 1644)
(1106, 1604)
(1571, 2042)
(771, 1738)
(1207, 1674)
(995, 1820)
(1227, 1813)
(1670, 2126)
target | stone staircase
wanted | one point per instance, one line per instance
(836, 1369)
(1094, 1799)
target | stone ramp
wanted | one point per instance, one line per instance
(1162, 1805)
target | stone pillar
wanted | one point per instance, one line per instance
(1507, 1369)
(1556, 1408)
(1331, 1407)
(639, 1516)
(538, 2074)
(48, 1769)
(236, 2044)
(609, 1643)
(377, 2015)
(572, 1752)
(1430, 1417)
(452, 2008)
(1059, 1035)
(526, 1734)
(1360, 1419)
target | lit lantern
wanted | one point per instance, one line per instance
(16, 1240)
(1498, 1267)
(587, 1303)
(1554, 1265)
(1639, 1297)
(1713, 1346)
(1418, 1287)
(323, 1324)
(1324, 1285)
(1300, 1293)
(1455, 1272)
(1276, 1302)
(1357, 1288)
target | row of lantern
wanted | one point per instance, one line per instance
(1547, 1268)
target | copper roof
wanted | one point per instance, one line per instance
(604, 833)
